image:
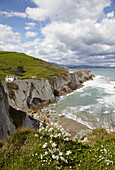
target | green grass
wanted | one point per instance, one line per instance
(79, 73)
(11, 62)
(50, 149)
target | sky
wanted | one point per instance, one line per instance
(77, 32)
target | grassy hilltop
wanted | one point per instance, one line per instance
(25, 66)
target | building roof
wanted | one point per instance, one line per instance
(12, 76)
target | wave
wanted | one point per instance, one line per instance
(92, 103)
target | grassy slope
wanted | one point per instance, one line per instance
(50, 149)
(9, 62)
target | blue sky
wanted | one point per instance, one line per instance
(61, 31)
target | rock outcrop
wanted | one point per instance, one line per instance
(11, 119)
(27, 95)
(6, 124)
(66, 83)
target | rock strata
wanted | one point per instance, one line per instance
(10, 118)
(6, 124)
(28, 95)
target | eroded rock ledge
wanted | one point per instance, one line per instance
(28, 95)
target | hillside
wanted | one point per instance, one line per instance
(51, 149)
(25, 66)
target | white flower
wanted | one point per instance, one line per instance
(60, 153)
(51, 141)
(66, 139)
(40, 124)
(108, 162)
(55, 136)
(62, 158)
(105, 150)
(50, 129)
(66, 161)
(51, 151)
(52, 123)
(36, 154)
(68, 152)
(44, 146)
(57, 157)
(40, 129)
(36, 135)
(53, 156)
(46, 152)
(54, 144)
(51, 136)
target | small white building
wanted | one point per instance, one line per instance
(11, 78)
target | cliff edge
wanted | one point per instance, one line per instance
(28, 95)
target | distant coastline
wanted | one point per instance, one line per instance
(80, 66)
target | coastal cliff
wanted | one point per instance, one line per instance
(31, 94)
(6, 124)
(11, 119)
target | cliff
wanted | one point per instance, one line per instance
(6, 125)
(28, 95)
(66, 83)
(11, 119)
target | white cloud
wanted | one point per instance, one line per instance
(67, 10)
(30, 34)
(30, 25)
(12, 13)
(7, 34)
(74, 35)
(76, 42)
(110, 15)
(78, 32)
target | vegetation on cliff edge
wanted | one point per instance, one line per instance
(50, 148)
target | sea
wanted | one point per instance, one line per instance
(92, 105)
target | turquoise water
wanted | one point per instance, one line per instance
(93, 104)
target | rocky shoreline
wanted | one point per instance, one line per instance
(26, 98)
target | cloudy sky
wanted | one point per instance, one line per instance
(61, 31)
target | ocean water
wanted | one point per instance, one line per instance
(92, 105)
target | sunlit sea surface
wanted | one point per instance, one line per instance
(93, 104)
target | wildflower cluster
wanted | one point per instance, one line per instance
(53, 138)
(51, 148)
(101, 155)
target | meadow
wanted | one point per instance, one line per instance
(24, 66)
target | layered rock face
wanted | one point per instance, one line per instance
(6, 125)
(63, 84)
(26, 95)
(11, 119)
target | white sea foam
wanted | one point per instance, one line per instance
(85, 94)
(98, 94)
(103, 83)
(72, 116)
